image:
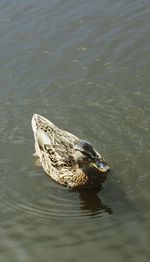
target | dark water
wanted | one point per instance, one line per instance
(85, 66)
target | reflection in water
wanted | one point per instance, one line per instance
(90, 201)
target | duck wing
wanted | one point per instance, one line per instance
(46, 133)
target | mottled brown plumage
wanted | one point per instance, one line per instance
(64, 158)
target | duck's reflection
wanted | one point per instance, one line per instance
(90, 201)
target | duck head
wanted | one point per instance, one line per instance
(85, 155)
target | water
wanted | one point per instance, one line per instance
(85, 66)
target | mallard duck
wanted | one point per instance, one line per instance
(67, 159)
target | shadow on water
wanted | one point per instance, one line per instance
(90, 201)
(111, 198)
(114, 193)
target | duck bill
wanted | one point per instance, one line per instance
(103, 167)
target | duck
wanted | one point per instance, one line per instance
(67, 159)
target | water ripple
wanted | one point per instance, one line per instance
(85, 66)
